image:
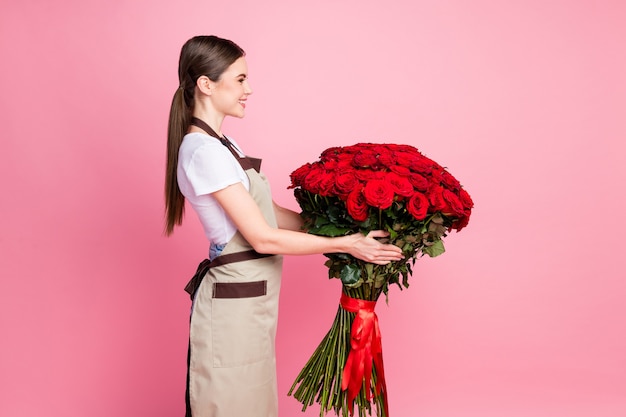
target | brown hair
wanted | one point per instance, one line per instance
(200, 55)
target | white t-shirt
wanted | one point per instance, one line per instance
(205, 165)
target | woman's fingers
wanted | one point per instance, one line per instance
(377, 233)
(381, 253)
(385, 247)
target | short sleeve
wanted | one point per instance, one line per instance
(211, 168)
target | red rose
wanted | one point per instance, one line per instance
(344, 162)
(312, 180)
(405, 158)
(330, 154)
(400, 170)
(330, 164)
(445, 201)
(401, 185)
(356, 205)
(421, 164)
(465, 198)
(368, 175)
(420, 183)
(435, 196)
(297, 176)
(378, 193)
(418, 206)
(345, 182)
(327, 183)
(435, 175)
(454, 203)
(365, 159)
(385, 157)
(462, 222)
(449, 181)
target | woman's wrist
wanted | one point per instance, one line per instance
(345, 243)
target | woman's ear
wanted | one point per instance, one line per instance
(205, 85)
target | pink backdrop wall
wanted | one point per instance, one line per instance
(524, 101)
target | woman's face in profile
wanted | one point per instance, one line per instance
(230, 92)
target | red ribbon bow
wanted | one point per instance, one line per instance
(366, 350)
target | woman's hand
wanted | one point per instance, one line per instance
(371, 250)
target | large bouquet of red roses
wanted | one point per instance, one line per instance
(361, 188)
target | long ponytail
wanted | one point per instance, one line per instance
(201, 55)
(180, 116)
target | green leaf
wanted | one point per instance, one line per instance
(335, 214)
(330, 230)
(366, 225)
(405, 280)
(340, 256)
(435, 249)
(350, 274)
(321, 221)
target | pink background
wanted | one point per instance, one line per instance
(524, 101)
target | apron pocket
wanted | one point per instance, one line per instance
(239, 289)
(241, 325)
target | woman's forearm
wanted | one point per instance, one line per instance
(287, 219)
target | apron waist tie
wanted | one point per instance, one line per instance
(195, 281)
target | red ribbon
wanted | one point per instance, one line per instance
(366, 350)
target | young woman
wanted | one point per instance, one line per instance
(232, 368)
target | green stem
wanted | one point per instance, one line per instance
(320, 379)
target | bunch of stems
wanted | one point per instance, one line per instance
(320, 379)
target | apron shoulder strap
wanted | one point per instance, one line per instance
(245, 162)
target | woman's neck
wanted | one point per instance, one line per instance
(209, 117)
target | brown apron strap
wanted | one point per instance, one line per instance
(229, 258)
(246, 162)
(194, 283)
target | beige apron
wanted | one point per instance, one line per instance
(232, 364)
